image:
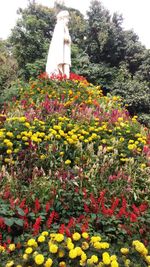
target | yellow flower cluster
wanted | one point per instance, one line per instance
(78, 250)
(140, 247)
(67, 133)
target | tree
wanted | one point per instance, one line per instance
(105, 36)
(98, 20)
(8, 69)
(143, 73)
(134, 51)
(31, 36)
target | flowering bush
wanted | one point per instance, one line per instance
(69, 209)
(56, 249)
(70, 130)
(72, 159)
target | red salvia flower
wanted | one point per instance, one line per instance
(143, 207)
(62, 229)
(50, 219)
(86, 208)
(36, 226)
(37, 205)
(71, 222)
(22, 204)
(133, 217)
(47, 207)
(135, 209)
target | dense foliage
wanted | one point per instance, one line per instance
(8, 67)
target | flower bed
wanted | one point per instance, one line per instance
(56, 249)
(72, 159)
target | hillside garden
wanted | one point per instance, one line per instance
(75, 168)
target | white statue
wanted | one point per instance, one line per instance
(59, 55)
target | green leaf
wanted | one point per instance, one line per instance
(19, 222)
(20, 211)
(9, 222)
(93, 216)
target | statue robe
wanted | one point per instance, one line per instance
(60, 50)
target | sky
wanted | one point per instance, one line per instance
(136, 14)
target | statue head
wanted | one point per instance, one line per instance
(63, 16)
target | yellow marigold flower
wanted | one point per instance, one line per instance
(48, 263)
(124, 251)
(19, 265)
(106, 258)
(94, 258)
(95, 239)
(147, 258)
(109, 148)
(59, 237)
(72, 254)
(113, 258)
(114, 264)
(28, 250)
(53, 248)
(85, 235)
(58, 136)
(12, 247)
(62, 264)
(143, 166)
(76, 236)
(82, 263)
(39, 259)
(135, 242)
(123, 159)
(79, 251)
(70, 245)
(52, 235)
(22, 119)
(67, 162)
(131, 146)
(83, 256)
(31, 242)
(61, 153)
(81, 137)
(2, 249)
(27, 124)
(9, 151)
(25, 256)
(139, 246)
(145, 251)
(85, 245)
(57, 127)
(9, 264)
(61, 253)
(121, 139)
(24, 138)
(10, 134)
(127, 262)
(97, 245)
(41, 238)
(44, 233)
(131, 141)
(104, 245)
(120, 119)
(42, 157)
(9, 144)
